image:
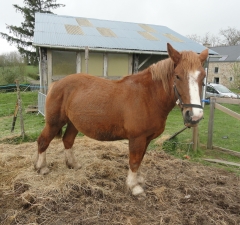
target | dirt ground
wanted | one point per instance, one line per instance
(177, 191)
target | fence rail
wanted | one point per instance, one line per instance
(214, 104)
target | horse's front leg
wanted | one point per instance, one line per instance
(137, 149)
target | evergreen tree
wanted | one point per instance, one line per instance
(22, 36)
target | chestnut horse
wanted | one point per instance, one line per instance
(134, 108)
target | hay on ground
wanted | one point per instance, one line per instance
(177, 191)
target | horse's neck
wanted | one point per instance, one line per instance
(164, 98)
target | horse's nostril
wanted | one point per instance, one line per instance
(188, 114)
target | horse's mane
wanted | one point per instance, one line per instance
(164, 69)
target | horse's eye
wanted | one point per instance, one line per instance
(177, 77)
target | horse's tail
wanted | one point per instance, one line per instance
(48, 93)
(59, 133)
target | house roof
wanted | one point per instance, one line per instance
(228, 53)
(68, 32)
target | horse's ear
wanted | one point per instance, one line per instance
(173, 54)
(203, 55)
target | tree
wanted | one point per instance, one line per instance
(22, 36)
(207, 39)
(195, 38)
(211, 39)
(231, 36)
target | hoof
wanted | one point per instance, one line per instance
(43, 171)
(138, 190)
(75, 166)
(141, 180)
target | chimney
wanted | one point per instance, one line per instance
(207, 45)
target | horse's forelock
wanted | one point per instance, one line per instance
(190, 61)
(163, 70)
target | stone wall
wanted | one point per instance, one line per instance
(225, 73)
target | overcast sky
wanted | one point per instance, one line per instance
(186, 17)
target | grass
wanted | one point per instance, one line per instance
(31, 69)
(235, 90)
(226, 134)
(33, 123)
(31, 73)
(8, 101)
(226, 128)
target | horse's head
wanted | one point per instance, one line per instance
(188, 80)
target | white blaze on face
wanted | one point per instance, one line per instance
(194, 95)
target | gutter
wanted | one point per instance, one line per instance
(111, 50)
(215, 56)
(103, 49)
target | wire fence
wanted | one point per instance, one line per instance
(41, 103)
(9, 112)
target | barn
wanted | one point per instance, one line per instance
(109, 49)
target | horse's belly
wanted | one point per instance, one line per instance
(101, 131)
(106, 136)
(103, 135)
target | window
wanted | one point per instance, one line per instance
(216, 70)
(95, 63)
(216, 80)
(230, 79)
(211, 90)
(63, 63)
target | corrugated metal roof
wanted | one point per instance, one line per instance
(228, 53)
(68, 32)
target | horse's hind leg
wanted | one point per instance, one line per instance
(48, 133)
(68, 140)
(137, 149)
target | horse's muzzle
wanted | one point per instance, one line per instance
(191, 120)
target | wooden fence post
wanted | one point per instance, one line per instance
(105, 64)
(135, 63)
(20, 109)
(86, 58)
(78, 63)
(210, 123)
(195, 138)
